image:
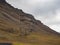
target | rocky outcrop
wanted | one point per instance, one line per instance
(16, 25)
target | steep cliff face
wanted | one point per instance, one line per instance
(15, 25)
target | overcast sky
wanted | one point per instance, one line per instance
(48, 11)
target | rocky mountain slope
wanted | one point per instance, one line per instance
(15, 25)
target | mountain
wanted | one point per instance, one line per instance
(21, 28)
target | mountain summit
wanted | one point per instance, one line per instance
(18, 26)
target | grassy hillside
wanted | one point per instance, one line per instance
(39, 40)
(20, 28)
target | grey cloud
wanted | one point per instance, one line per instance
(36, 8)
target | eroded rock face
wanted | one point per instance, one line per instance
(14, 24)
